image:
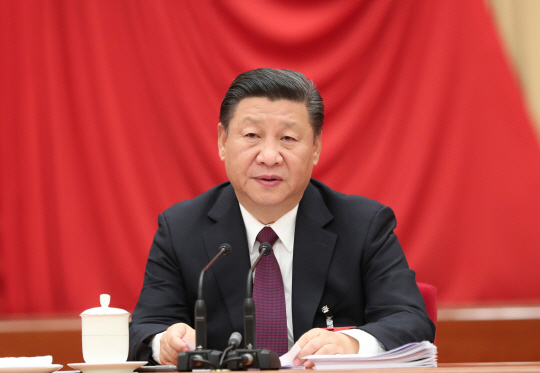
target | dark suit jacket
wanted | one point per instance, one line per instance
(346, 256)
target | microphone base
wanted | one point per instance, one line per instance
(186, 361)
(262, 359)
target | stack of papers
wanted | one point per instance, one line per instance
(37, 364)
(412, 355)
(25, 361)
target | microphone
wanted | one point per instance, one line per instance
(201, 358)
(200, 305)
(249, 306)
(251, 356)
(234, 342)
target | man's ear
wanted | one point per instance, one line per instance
(317, 149)
(222, 139)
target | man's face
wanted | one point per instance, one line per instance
(269, 154)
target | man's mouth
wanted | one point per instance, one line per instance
(268, 180)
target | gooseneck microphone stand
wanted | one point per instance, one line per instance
(249, 305)
(252, 357)
(202, 358)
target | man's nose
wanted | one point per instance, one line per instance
(269, 154)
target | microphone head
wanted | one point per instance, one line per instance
(265, 249)
(235, 339)
(225, 249)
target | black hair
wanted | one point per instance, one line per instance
(274, 84)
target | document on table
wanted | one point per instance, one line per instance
(423, 354)
(287, 359)
(34, 361)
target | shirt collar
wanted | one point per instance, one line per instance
(284, 228)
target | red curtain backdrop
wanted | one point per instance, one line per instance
(109, 109)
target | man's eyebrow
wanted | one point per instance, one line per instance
(251, 119)
(254, 120)
(289, 123)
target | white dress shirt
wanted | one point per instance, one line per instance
(283, 251)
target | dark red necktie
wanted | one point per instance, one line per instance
(269, 298)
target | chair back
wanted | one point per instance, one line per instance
(429, 293)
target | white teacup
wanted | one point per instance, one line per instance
(105, 334)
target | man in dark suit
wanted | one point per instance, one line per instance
(333, 250)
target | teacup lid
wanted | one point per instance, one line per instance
(105, 300)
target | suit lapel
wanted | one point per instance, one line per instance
(230, 272)
(313, 248)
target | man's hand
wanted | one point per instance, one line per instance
(324, 342)
(171, 343)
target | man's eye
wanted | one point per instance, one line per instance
(251, 135)
(288, 138)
